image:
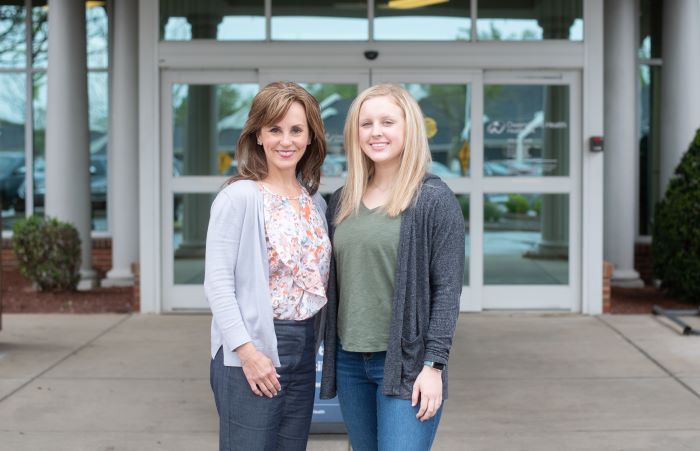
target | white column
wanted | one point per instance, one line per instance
(67, 135)
(621, 150)
(123, 155)
(680, 89)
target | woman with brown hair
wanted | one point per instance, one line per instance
(266, 270)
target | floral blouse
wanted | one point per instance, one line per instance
(299, 252)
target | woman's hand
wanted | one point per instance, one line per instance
(259, 371)
(427, 389)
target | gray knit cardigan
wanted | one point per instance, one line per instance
(427, 288)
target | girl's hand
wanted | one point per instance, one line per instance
(259, 371)
(427, 389)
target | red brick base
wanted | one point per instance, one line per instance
(607, 274)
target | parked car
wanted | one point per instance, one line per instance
(98, 184)
(12, 171)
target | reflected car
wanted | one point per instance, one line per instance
(12, 172)
(334, 165)
(98, 184)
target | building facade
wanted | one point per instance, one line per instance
(516, 95)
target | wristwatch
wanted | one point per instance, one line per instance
(434, 365)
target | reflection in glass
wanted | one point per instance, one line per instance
(334, 100)
(649, 144)
(312, 21)
(650, 14)
(528, 21)
(463, 200)
(98, 108)
(12, 128)
(40, 33)
(184, 20)
(13, 38)
(99, 127)
(402, 20)
(191, 216)
(207, 121)
(39, 136)
(96, 24)
(526, 130)
(447, 111)
(526, 239)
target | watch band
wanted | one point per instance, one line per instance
(434, 365)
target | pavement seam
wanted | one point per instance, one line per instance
(648, 356)
(65, 357)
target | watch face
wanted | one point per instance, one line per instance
(439, 366)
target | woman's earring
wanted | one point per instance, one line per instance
(259, 143)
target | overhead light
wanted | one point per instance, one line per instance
(412, 4)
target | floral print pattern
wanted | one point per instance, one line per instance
(299, 253)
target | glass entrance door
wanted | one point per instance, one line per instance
(449, 101)
(507, 143)
(202, 115)
(529, 189)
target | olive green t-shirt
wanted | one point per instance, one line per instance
(365, 247)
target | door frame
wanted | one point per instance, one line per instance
(563, 297)
(476, 296)
(181, 297)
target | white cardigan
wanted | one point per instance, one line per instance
(236, 277)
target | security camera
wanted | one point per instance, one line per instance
(371, 54)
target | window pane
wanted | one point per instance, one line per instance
(39, 135)
(403, 20)
(40, 33)
(12, 154)
(526, 130)
(303, 20)
(184, 20)
(447, 114)
(207, 121)
(650, 28)
(96, 22)
(523, 20)
(334, 100)
(463, 200)
(99, 126)
(13, 41)
(189, 237)
(649, 144)
(526, 239)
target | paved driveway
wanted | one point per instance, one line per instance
(517, 382)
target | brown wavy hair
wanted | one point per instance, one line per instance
(269, 106)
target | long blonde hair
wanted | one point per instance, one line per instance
(269, 106)
(415, 157)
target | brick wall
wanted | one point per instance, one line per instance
(607, 274)
(642, 262)
(101, 262)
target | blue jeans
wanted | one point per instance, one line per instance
(376, 422)
(258, 423)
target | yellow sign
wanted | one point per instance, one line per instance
(430, 127)
(464, 154)
(225, 161)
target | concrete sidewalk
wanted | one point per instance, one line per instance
(517, 382)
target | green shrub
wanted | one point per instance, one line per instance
(48, 252)
(464, 205)
(676, 229)
(536, 205)
(491, 212)
(517, 203)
